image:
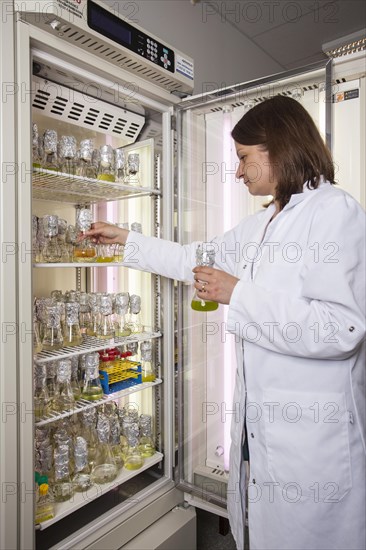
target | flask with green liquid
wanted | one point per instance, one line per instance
(204, 258)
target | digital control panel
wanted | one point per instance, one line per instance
(114, 28)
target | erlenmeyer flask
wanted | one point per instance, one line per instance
(52, 339)
(89, 420)
(75, 383)
(72, 334)
(63, 488)
(148, 374)
(121, 309)
(64, 398)
(204, 258)
(146, 443)
(81, 479)
(134, 317)
(92, 389)
(105, 469)
(110, 410)
(37, 343)
(51, 252)
(41, 397)
(84, 251)
(133, 457)
(105, 326)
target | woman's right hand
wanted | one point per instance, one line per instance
(105, 233)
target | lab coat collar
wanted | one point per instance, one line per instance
(296, 198)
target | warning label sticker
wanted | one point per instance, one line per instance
(72, 6)
(344, 96)
(184, 67)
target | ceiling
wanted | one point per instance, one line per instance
(290, 32)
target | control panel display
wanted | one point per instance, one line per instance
(111, 26)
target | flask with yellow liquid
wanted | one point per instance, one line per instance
(204, 258)
(44, 507)
(84, 251)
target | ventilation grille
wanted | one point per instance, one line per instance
(85, 111)
(347, 49)
(295, 94)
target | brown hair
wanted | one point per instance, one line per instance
(296, 150)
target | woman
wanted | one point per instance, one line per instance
(298, 306)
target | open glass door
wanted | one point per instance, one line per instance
(210, 202)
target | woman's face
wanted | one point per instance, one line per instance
(255, 169)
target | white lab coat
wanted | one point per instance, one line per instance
(299, 309)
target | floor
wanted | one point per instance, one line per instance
(208, 533)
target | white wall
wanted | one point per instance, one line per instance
(222, 55)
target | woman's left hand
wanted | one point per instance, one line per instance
(214, 284)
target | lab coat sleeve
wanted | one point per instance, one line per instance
(327, 317)
(160, 256)
(171, 259)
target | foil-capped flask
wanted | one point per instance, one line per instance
(105, 469)
(84, 250)
(134, 318)
(106, 164)
(92, 388)
(146, 443)
(64, 397)
(120, 165)
(50, 159)
(82, 478)
(52, 337)
(72, 334)
(105, 328)
(67, 154)
(51, 252)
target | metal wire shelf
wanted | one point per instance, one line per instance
(79, 264)
(91, 344)
(83, 405)
(79, 500)
(56, 186)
